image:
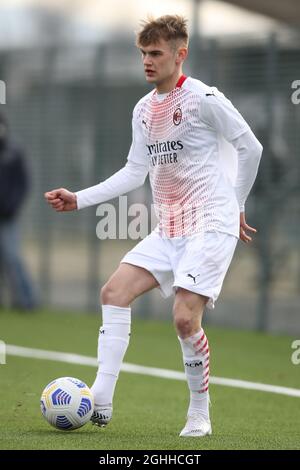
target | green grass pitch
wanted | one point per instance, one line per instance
(149, 412)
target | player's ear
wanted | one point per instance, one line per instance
(182, 53)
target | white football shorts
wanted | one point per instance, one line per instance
(198, 263)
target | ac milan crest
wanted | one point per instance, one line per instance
(177, 116)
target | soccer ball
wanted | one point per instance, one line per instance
(67, 403)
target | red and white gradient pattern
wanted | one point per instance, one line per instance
(182, 181)
(202, 349)
(195, 351)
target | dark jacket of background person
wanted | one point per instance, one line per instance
(16, 289)
(13, 179)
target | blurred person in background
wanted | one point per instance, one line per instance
(14, 185)
(176, 132)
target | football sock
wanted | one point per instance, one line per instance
(195, 352)
(112, 344)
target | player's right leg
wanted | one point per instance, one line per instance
(126, 284)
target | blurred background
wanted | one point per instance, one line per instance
(73, 75)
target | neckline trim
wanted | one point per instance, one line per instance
(179, 84)
(181, 81)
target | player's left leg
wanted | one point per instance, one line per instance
(188, 312)
(199, 275)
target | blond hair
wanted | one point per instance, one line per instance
(168, 27)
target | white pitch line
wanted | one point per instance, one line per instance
(20, 351)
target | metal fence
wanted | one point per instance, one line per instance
(71, 108)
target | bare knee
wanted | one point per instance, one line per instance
(188, 311)
(183, 316)
(184, 323)
(111, 294)
(126, 284)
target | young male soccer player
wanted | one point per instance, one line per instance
(177, 129)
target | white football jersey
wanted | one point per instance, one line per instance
(179, 137)
(188, 141)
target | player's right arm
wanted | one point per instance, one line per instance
(130, 177)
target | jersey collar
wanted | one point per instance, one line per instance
(181, 81)
(179, 84)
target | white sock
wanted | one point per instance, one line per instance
(195, 352)
(112, 345)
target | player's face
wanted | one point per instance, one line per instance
(162, 62)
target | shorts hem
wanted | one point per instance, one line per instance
(210, 304)
(140, 264)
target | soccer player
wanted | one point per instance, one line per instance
(177, 132)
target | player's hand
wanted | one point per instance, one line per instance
(244, 228)
(61, 200)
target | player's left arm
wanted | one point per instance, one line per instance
(220, 115)
(249, 152)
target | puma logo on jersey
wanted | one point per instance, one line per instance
(144, 123)
(193, 277)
